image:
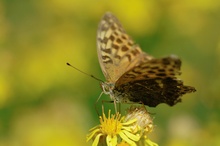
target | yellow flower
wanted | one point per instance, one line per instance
(129, 130)
(113, 129)
(144, 124)
(144, 121)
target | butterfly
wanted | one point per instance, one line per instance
(131, 74)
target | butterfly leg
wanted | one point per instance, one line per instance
(104, 101)
(97, 102)
(115, 105)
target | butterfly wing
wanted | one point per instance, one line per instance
(117, 52)
(154, 82)
(154, 68)
(152, 92)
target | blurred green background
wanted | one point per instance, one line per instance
(43, 102)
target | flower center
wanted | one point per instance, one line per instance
(111, 125)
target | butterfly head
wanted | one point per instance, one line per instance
(107, 88)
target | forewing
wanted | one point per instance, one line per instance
(117, 52)
(152, 69)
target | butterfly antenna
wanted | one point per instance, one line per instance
(84, 72)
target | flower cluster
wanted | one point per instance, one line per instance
(129, 130)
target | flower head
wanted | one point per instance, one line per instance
(144, 122)
(112, 129)
(129, 130)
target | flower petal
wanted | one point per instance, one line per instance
(132, 129)
(94, 128)
(96, 140)
(111, 141)
(90, 135)
(131, 136)
(125, 138)
(126, 128)
(148, 142)
(130, 122)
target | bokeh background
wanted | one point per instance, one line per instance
(43, 102)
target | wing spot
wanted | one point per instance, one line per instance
(177, 62)
(137, 71)
(119, 40)
(124, 48)
(165, 61)
(117, 56)
(145, 67)
(155, 67)
(112, 38)
(107, 59)
(161, 70)
(174, 66)
(108, 51)
(130, 76)
(115, 33)
(172, 74)
(134, 52)
(171, 70)
(114, 46)
(161, 74)
(104, 40)
(151, 72)
(124, 37)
